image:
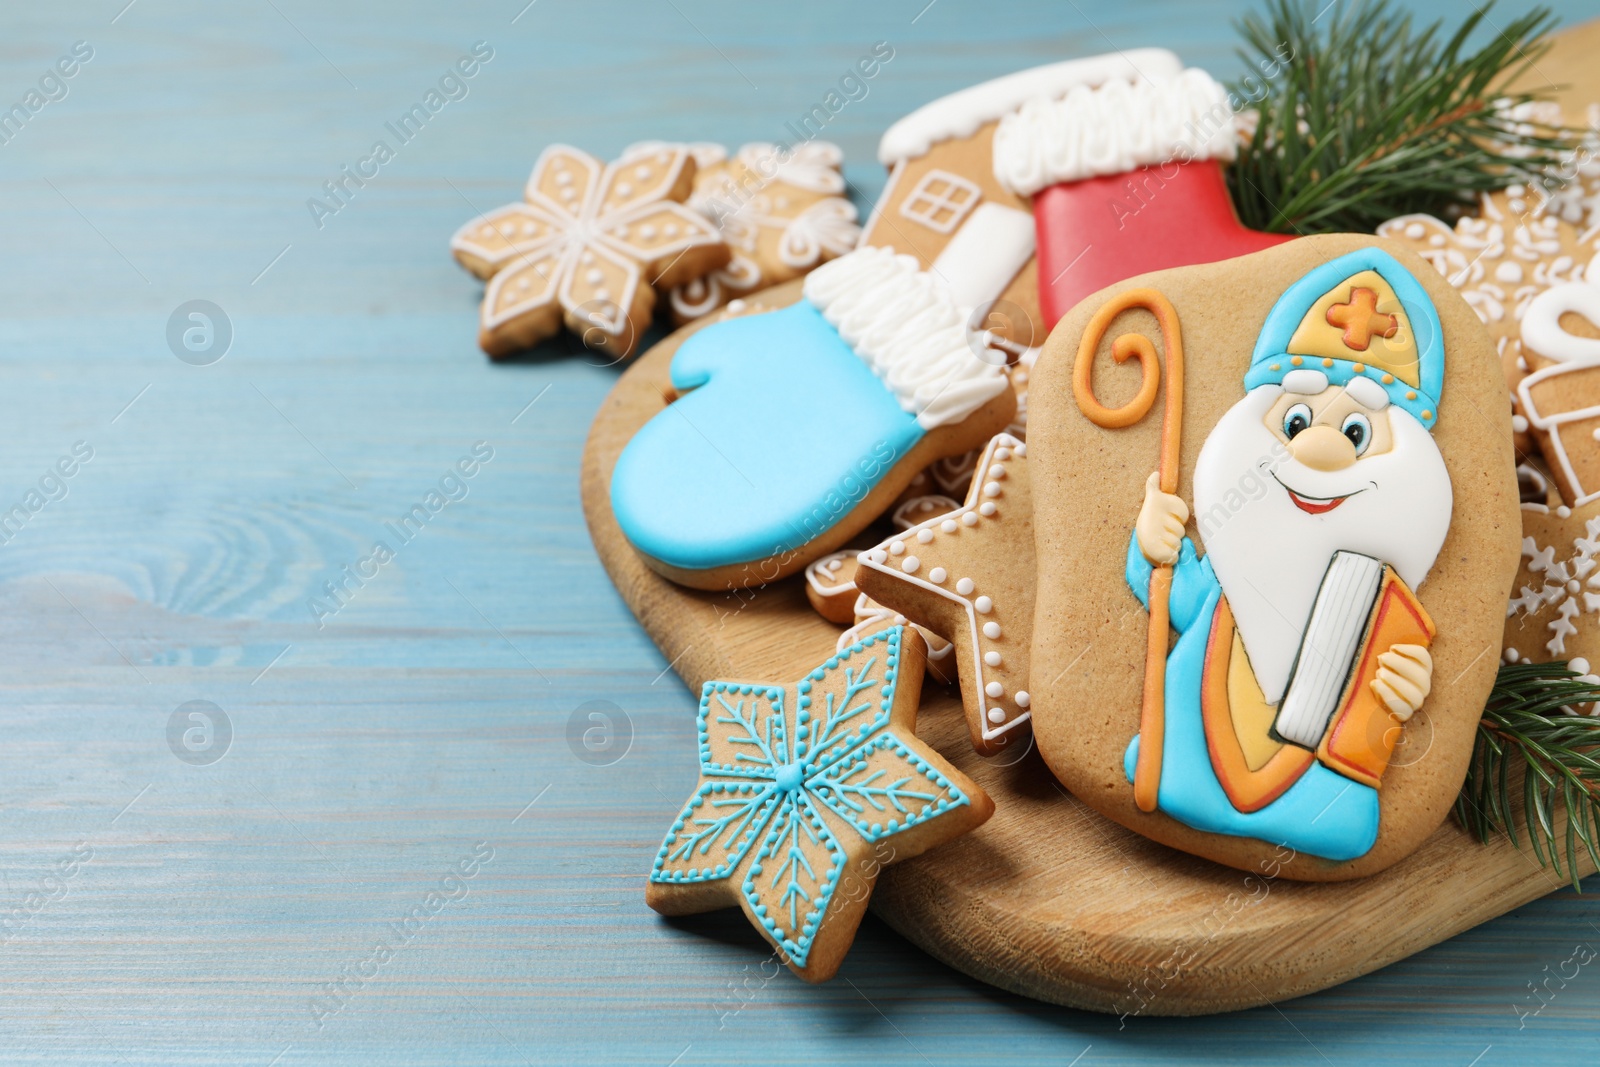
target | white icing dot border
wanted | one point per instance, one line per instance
(983, 675)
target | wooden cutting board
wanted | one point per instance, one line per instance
(1048, 899)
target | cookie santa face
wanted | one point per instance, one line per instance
(1330, 562)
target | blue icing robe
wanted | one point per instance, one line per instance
(785, 432)
(1322, 814)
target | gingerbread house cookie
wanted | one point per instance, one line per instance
(944, 204)
(1560, 401)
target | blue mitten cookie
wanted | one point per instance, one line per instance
(796, 428)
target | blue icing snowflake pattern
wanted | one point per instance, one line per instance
(781, 431)
(772, 774)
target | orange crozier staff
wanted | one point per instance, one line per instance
(1152, 713)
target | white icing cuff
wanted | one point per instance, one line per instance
(960, 114)
(902, 322)
(1115, 128)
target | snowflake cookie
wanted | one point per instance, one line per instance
(806, 792)
(1552, 611)
(589, 246)
(781, 213)
(1500, 260)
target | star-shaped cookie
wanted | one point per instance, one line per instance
(968, 576)
(806, 791)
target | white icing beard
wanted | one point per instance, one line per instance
(1270, 555)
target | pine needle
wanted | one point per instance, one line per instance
(1361, 118)
(1528, 743)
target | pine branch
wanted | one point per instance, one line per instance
(1361, 118)
(1530, 743)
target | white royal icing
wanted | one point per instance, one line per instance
(960, 114)
(1113, 128)
(903, 323)
(986, 253)
(1551, 424)
(1305, 382)
(813, 165)
(1567, 585)
(826, 227)
(1541, 323)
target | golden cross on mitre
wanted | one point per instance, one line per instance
(1359, 318)
(1343, 324)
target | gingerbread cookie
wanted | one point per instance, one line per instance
(1560, 402)
(588, 247)
(1124, 177)
(1569, 191)
(781, 212)
(968, 575)
(953, 476)
(869, 617)
(831, 587)
(806, 791)
(1501, 259)
(954, 473)
(1338, 416)
(945, 205)
(1557, 590)
(918, 509)
(793, 430)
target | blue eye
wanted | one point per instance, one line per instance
(1295, 420)
(1358, 428)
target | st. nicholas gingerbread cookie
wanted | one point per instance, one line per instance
(792, 430)
(1304, 470)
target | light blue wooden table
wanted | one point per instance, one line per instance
(161, 906)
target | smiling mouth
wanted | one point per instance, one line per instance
(1316, 505)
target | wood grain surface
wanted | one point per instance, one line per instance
(371, 754)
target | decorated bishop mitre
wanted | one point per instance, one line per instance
(1370, 321)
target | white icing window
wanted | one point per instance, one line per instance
(941, 200)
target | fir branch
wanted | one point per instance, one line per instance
(1360, 118)
(1529, 742)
